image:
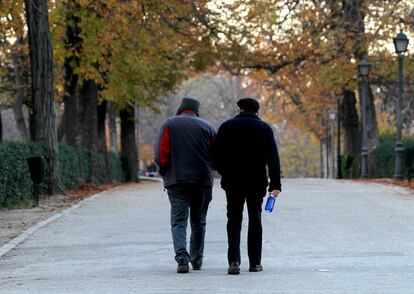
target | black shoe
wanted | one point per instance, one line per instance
(196, 267)
(234, 268)
(256, 268)
(183, 268)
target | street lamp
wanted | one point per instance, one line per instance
(401, 44)
(332, 116)
(364, 68)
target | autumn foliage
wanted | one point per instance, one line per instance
(300, 55)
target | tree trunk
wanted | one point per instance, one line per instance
(112, 126)
(68, 127)
(325, 157)
(137, 141)
(321, 169)
(373, 133)
(31, 122)
(101, 110)
(20, 95)
(129, 154)
(354, 16)
(88, 125)
(372, 124)
(61, 124)
(41, 57)
(1, 128)
(350, 124)
(328, 157)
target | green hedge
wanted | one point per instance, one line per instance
(70, 175)
(351, 166)
(384, 157)
(16, 185)
(382, 160)
(15, 182)
(118, 174)
(115, 168)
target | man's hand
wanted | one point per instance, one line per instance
(275, 193)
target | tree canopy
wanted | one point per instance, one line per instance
(299, 55)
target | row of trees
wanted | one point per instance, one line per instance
(302, 57)
(305, 54)
(108, 57)
(111, 56)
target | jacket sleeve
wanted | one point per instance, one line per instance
(273, 162)
(217, 153)
(162, 150)
(212, 138)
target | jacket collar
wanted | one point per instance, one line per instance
(189, 113)
(247, 114)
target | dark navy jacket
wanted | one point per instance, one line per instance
(183, 150)
(243, 148)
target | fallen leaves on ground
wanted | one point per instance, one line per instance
(401, 183)
(89, 189)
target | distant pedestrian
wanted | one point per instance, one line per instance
(243, 148)
(183, 153)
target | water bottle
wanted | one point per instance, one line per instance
(270, 203)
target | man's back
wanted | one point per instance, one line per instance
(243, 147)
(190, 139)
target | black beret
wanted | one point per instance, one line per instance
(249, 105)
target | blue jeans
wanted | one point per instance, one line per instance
(185, 198)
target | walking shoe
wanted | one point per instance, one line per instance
(183, 268)
(196, 266)
(256, 268)
(234, 268)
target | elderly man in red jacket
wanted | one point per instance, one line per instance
(183, 151)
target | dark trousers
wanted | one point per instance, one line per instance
(235, 205)
(188, 199)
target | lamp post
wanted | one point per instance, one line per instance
(332, 116)
(338, 144)
(326, 126)
(321, 161)
(363, 69)
(401, 44)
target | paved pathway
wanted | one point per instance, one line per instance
(323, 237)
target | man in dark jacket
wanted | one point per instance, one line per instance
(183, 152)
(243, 148)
